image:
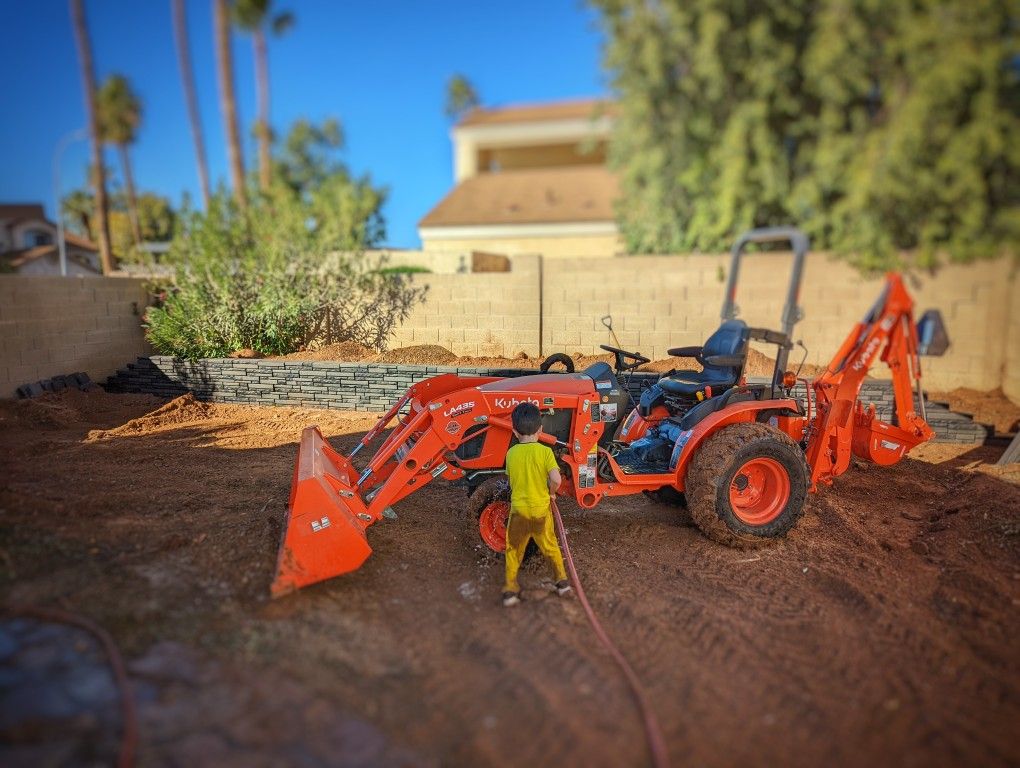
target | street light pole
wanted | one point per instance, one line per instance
(64, 142)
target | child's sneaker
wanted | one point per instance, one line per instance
(511, 598)
(563, 588)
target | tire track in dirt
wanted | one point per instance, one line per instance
(881, 630)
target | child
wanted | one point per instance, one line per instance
(534, 478)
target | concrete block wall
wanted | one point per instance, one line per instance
(56, 325)
(375, 387)
(658, 302)
(478, 314)
(344, 386)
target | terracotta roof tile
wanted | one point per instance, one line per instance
(21, 211)
(533, 196)
(533, 113)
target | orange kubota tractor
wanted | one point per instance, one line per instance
(741, 456)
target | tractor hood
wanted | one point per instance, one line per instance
(552, 383)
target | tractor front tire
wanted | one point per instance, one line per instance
(488, 508)
(746, 483)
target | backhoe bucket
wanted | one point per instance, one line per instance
(326, 519)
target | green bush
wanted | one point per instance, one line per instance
(286, 272)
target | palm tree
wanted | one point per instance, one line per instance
(188, 81)
(461, 97)
(228, 102)
(88, 76)
(78, 208)
(253, 16)
(120, 114)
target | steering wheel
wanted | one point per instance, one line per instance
(622, 355)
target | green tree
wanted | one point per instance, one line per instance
(96, 170)
(228, 99)
(156, 220)
(308, 154)
(876, 126)
(461, 97)
(290, 269)
(78, 208)
(120, 114)
(254, 17)
(190, 99)
(309, 166)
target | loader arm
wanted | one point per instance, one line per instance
(842, 426)
(332, 503)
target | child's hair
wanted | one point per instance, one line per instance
(526, 419)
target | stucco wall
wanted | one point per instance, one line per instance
(658, 302)
(574, 246)
(1011, 374)
(56, 325)
(493, 313)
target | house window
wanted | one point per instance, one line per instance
(34, 237)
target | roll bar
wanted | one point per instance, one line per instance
(792, 313)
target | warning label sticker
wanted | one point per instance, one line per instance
(609, 411)
(603, 385)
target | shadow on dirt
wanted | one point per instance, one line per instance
(882, 629)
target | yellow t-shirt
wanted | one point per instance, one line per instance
(528, 466)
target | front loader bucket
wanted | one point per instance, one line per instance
(326, 519)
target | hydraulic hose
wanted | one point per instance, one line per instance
(653, 733)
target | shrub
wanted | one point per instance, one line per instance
(286, 272)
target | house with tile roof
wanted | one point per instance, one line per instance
(529, 179)
(28, 244)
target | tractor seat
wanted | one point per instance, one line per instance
(722, 357)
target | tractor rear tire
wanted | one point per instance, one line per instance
(746, 483)
(557, 357)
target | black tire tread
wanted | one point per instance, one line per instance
(711, 462)
(557, 357)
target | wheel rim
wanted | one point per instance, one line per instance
(492, 525)
(759, 491)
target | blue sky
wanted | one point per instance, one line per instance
(379, 66)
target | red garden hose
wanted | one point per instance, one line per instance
(656, 744)
(129, 737)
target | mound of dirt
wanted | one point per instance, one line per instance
(758, 364)
(345, 351)
(44, 411)
(423, 354)
(992, 407)
(181, 410)
(245, 354)
(69, 407)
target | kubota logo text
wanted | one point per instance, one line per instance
(870, 350)
(511, 402)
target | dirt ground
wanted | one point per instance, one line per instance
(883, 631)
